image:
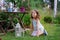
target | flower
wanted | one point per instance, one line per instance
(22, 9)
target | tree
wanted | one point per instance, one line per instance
(55, 7)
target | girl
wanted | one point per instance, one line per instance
(38, 29)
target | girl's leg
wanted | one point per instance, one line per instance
(39, 33)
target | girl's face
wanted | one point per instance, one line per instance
(34, 14)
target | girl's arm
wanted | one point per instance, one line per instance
(37, 25)
(31, 27)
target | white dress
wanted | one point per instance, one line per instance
(35, 28)
(40, 27)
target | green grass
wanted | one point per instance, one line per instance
(52, 29)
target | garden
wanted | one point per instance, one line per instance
(47, 19)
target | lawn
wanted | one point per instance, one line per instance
(52, 29)
(53, 34)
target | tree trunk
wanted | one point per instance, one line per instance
(55, 8)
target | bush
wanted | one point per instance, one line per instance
(48, 19)
(56, 20)
(3, 16)
(26, 20)
(15, 20)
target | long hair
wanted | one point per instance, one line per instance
(38, 16)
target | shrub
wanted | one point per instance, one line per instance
(48, 19)
(3, 16)
(15, 20)
(26, 20)
(56, 20)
